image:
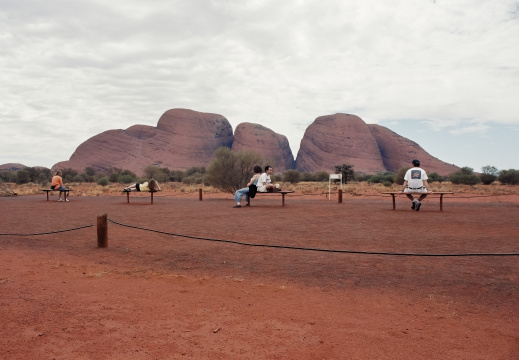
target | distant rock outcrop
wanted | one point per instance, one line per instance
(339, 139)
(182, 139)
(185, 138)
(12, 166)
(273, 148)
(346, 139)
(398, 151)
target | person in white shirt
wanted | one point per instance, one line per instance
(415, 181)
(265, 184)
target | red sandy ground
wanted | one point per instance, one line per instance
(152, 295)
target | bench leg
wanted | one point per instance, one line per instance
(394, 205)
(152, 198)
(127, 197)
(283, 200)
(47, 195)
(441, 202)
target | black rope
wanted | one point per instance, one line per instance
(49, 232)
(312, 249)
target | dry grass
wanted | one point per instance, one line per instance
(305, 188)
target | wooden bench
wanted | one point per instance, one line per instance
(129, 191)
(49, 190)
(441, 193)
(282, 193)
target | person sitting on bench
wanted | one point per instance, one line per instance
(245, 191)
(152, 186)
(264, 182)
(415, 181)
(57, 184)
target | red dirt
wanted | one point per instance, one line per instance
(151, 295)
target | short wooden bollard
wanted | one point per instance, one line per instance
(200, 194)
(340, 196)
(102, 231)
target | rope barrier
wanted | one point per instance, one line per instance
(49, 232)
(312, 249)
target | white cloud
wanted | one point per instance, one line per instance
(79, 68)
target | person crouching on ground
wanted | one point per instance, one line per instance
(415, 181)
(57, 184)
(152, 185)
(264, 182)
(245, 191)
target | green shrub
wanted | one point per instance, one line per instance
(292, 176)
(230, 170)
(489, 174)
(23, 177)
(78, 178)
(464, 176)
(103, 181)
(347, 172)
(322, 176)
(509, 177)
(126, 179)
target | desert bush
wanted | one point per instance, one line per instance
(347, 172)
(176, 175)
(231, 170)
(435, 177)
(488, 174)
(399, 176)
(78, 178)
(23, 177)
(126, 179)
(386, 177)
(509, 177)
(103, 181)
(464, 176)
(322, 176)
(306, 176)
(157, 173)
(292, 176)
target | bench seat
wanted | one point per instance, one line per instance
(282, 193)
(441, 193)
(49, 190)
(129, 191)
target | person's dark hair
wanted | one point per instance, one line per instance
(257, 169)
(153, 185)
(416, 162)
(267, 167)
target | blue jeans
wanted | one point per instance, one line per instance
(239, 194)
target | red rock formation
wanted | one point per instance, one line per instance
(12, 166)
(398, 151)
(273, 147)
(339, 139)
(182, 139)
(347, 139)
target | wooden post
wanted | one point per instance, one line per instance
(200, 194)
(102, 231)
(340, 196)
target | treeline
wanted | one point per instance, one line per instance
(43, 176)
(231, 170)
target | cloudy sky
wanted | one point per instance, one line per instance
(442, 73)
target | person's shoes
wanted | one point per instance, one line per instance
(414, 204)
(61, 200)
(237, 206)
(418, 204)
(127, 189)
(66, 200)
(247, 204)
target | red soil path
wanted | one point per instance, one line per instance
(152, 295)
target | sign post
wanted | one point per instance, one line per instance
(333, 177)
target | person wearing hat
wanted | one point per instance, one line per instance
(415, 181)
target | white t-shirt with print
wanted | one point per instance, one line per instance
(415, 177)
